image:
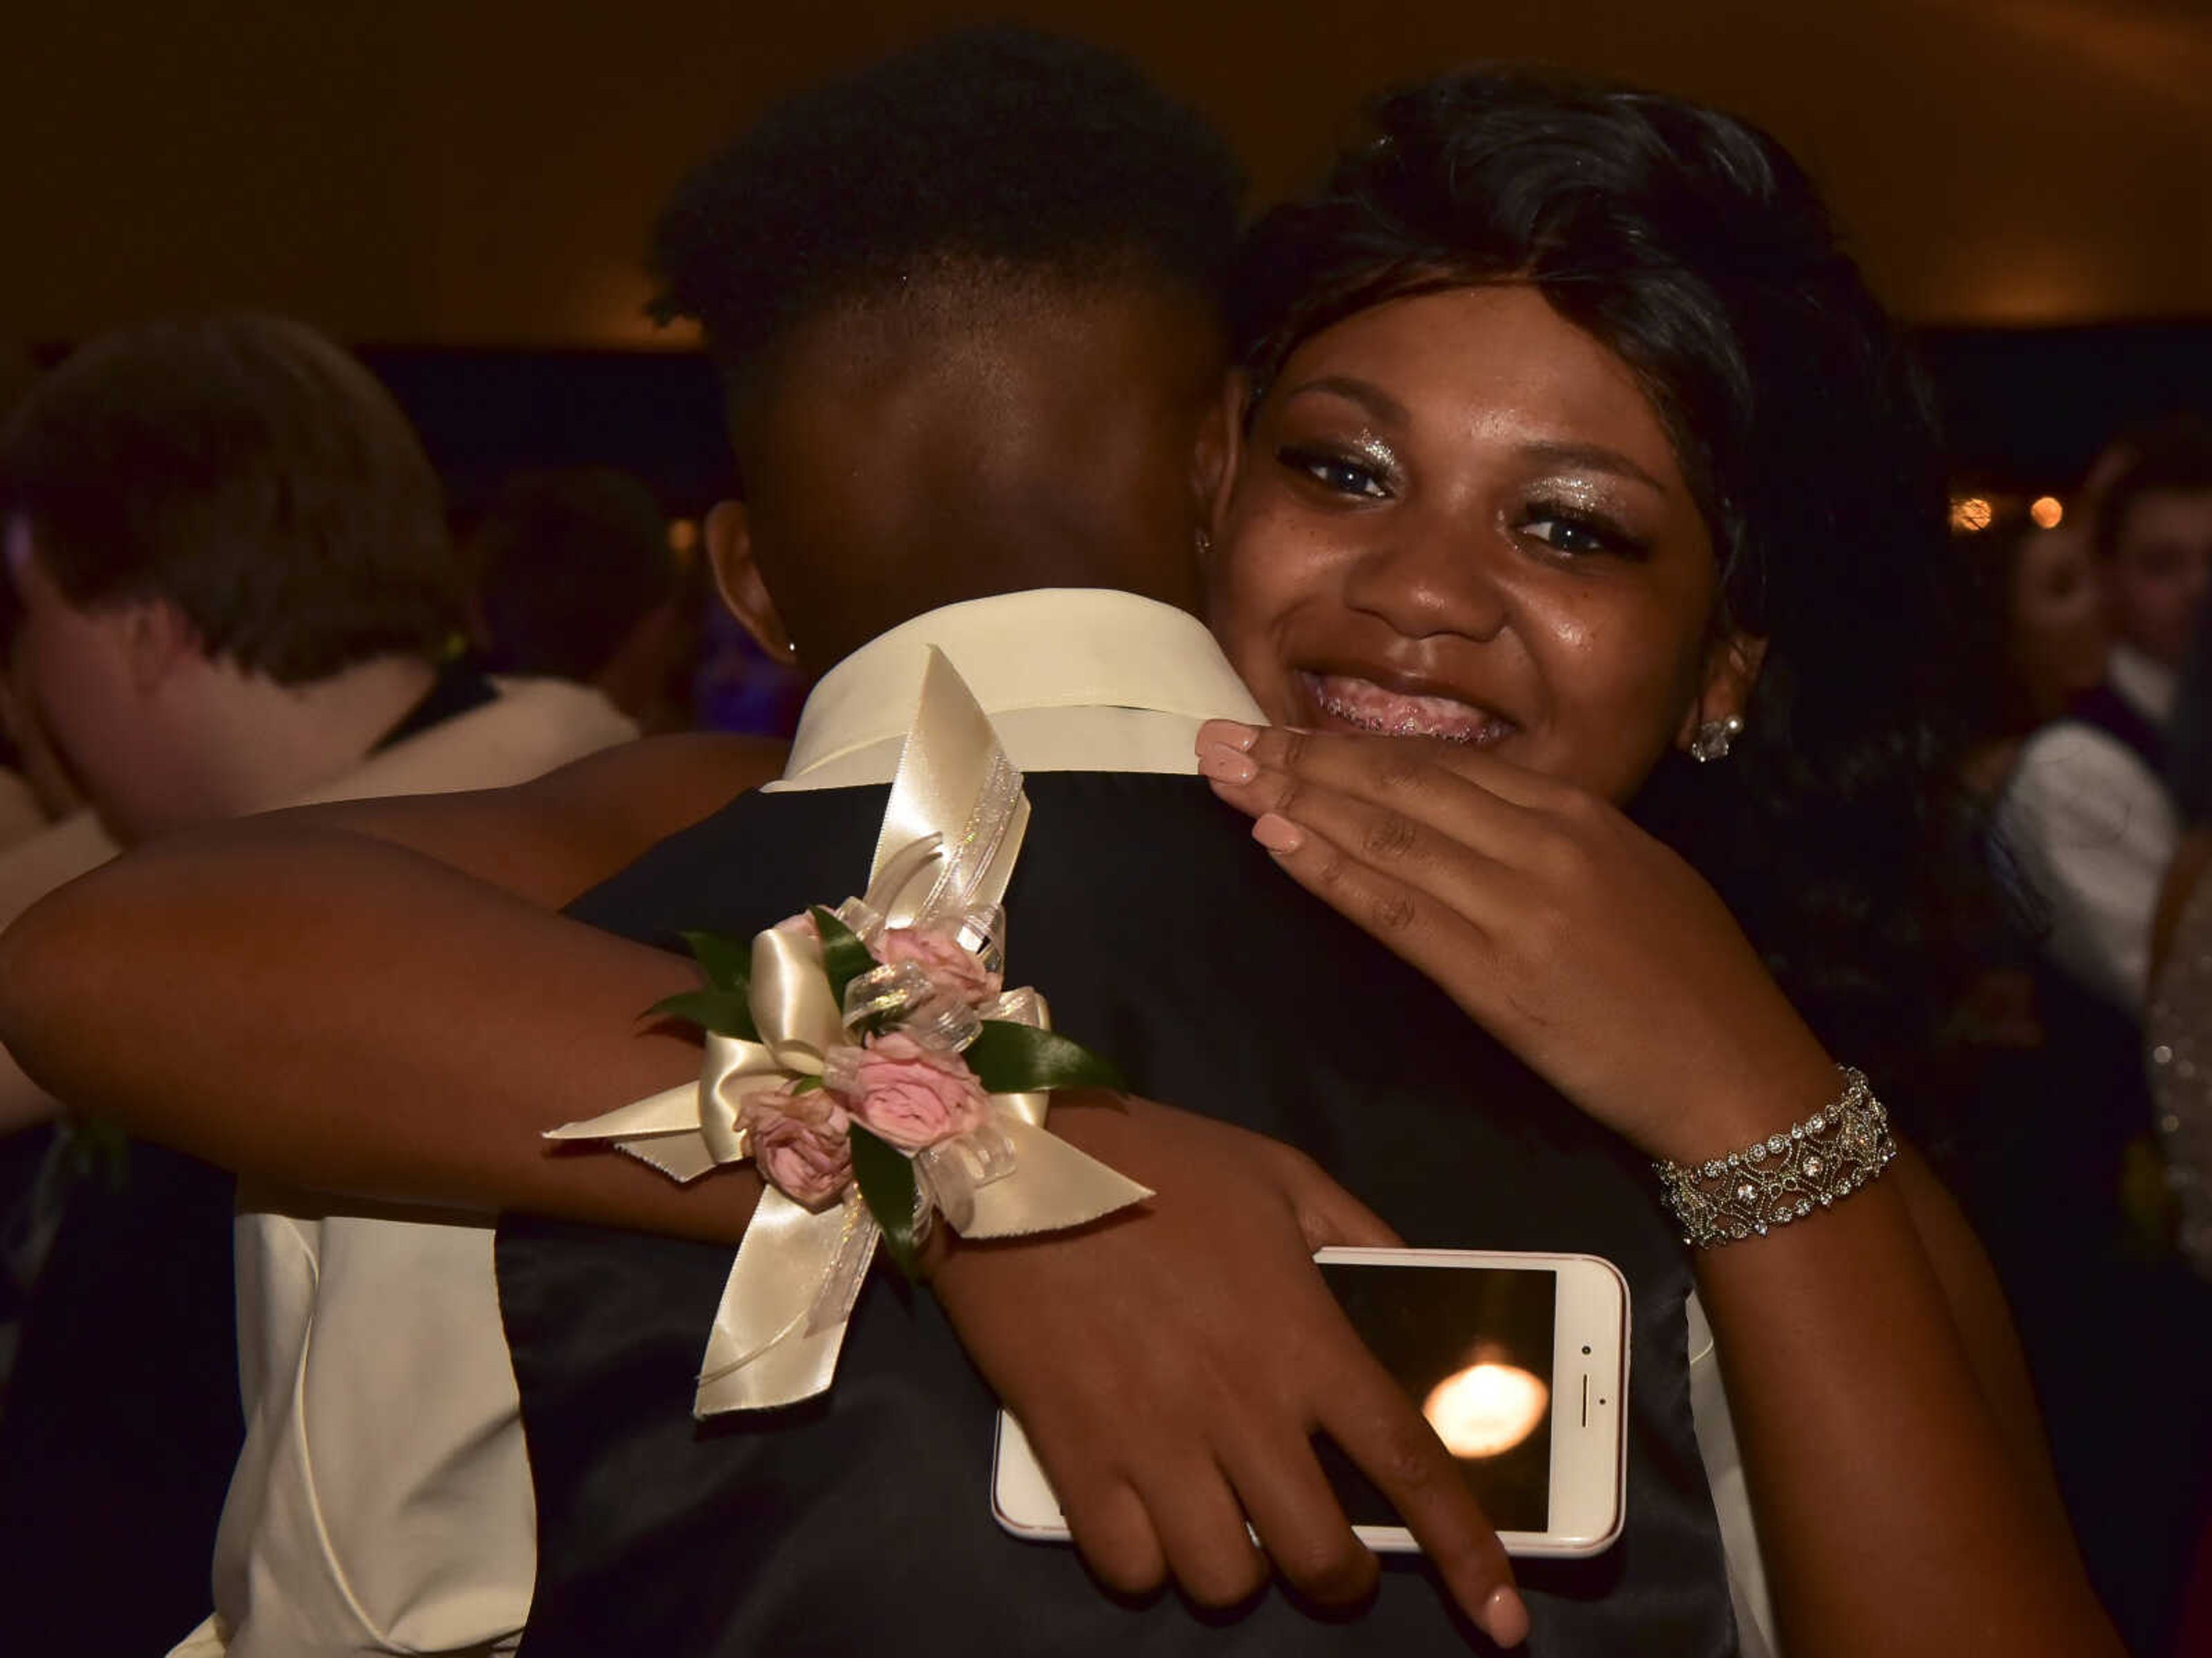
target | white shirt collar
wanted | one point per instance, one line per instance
(2144, 683)
(1052, 647)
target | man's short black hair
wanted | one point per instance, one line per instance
(999, 154)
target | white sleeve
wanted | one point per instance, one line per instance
(1716, 1450)
(2093, 831)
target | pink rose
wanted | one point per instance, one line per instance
(914, 1096)
(953, 970)
(800, 1143)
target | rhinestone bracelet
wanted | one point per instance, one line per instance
(1786, 1177)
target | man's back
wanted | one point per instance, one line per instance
(1161, 939)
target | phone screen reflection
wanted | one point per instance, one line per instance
(1473, 1347)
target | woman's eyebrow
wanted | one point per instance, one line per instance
(1371, 397)
(1591, 457)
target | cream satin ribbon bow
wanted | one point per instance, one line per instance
(952, 831)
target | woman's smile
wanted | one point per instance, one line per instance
(1393, 708)
(1457, 515)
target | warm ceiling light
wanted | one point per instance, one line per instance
(1970, 513)
(1486, 1409)
(683, 534)
(2046, 511)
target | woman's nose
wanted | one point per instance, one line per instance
(1430, 577)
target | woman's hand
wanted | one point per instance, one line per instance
(1608, 965)
(1590, 950)
(1170, 1366)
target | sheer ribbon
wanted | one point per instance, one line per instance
(952, 831)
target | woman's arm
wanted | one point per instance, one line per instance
(352, 996)
(1903, 1493)
(377, 998)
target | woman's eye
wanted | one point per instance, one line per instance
(1568, 535)
(1339, 474)
(1574, 534)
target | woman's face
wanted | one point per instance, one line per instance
(1456, 515)
(2058, 633)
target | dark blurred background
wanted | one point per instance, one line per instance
(462, 191)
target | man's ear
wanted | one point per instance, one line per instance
(155, 639)
(1732, 666)
(737, 578)
(1214, 462)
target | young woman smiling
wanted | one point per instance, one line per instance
(1565, 440)
(1569, 452)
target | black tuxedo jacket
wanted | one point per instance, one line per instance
(862, 1522)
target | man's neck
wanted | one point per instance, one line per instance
(262, 745)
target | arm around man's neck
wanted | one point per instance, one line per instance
(377, 997)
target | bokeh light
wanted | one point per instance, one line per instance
(1971, 513)
(1486, 1409)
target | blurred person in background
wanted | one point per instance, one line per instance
(2178, 1021)
(2032, 638)
(2087, 809)
(2066, 1188)
(2037, 636)
(2178, 1054)
(236, 590)
(578, 578)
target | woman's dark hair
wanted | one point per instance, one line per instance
(1691, 246)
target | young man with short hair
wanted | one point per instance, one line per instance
(233, 591)
(2087, 807)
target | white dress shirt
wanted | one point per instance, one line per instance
(2093, 829)
(382, 1502)
(1083, 679)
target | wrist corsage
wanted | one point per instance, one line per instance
(869, 1062)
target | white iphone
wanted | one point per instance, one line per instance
(1520, 1362)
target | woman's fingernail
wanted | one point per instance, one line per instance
(1504, 1619)
(1227, 734)
(1278, 833)
(1226, 765)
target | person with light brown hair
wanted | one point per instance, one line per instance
(234, 591)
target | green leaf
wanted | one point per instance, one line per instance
(726, 962)
(844, 958)
(1014, 1058)
(886, 1178)
(725, 1012)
